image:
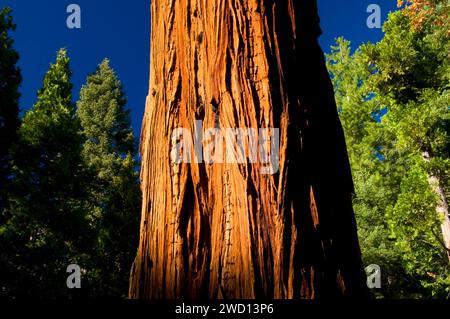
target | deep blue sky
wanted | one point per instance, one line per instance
(120, 30)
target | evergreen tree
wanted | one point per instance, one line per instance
(10, 80)
(109, 151)
(47, 228)
(400, 161)
(376, 176)
(413, 81)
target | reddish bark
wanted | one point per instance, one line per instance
(226, 230)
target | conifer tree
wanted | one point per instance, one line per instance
(47, 229)
(10, 79)
(393, 99)
(109, 151)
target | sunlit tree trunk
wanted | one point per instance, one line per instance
(230, 230)
(442, 208)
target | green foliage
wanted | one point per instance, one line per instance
(109, 151)
(415, 226)
(71, 182)
(10, 80)
(46, 229)
(407, 74)
(74, 195)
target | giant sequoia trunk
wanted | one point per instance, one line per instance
(224, 230)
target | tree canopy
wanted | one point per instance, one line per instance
(393, 99)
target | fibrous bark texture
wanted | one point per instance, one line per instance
(224, 230)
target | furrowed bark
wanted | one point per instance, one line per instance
(227, 230)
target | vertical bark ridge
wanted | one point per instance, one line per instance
(221, 230)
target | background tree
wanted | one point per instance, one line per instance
(109, 152)
(10, 80)
(400, 160)
(47, 228)
(377, 176)
(421, 11)
(413, 80)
